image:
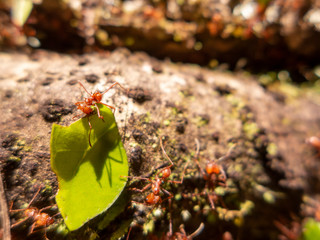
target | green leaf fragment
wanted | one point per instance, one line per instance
(20, 11)
(89, 181)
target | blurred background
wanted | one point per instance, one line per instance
(253, 35)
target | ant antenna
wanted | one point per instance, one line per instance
(34, 197)
(164, 152)
(116, 83)
(84, 88)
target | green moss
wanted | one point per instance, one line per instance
(269, 197)
(13, 158)
(272, 149)
(220, 191)
(250, 129)
(166, 122)
(148, 227)
(246, 207)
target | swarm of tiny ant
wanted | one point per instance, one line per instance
(40, 219)
(89, 104)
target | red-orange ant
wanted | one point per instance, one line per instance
(315, 142)
(89, 104)
(213, 175)
(154, 197)
(39, 218)
(162, 176)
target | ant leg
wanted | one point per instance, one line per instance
(112, 108)
(127, 238)
(84, 88)
(116, 83)
(19, 222)
(45, 208)
(98, 111)
(34, 197)
(89, 131)
(45, 233)
(182, 176)
(196, 232)
(136, 177)
(170, 220)
(141, 190)
(197, 156)
(211, 201)
(32, 228)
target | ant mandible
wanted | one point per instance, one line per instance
(89, 104)
(39, 218)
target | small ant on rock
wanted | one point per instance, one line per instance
(89, 104)
(39, 218)
(154, 197)
(315, 142)
(213, 175)
(162, 176)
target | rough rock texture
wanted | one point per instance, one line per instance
(182, 102)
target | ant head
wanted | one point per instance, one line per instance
(97, 96)
(30, 212)
(212, 168)
(165, 173)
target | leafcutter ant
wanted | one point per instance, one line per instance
(213, 175)
(90, 104)
(154, 198)
(39, 218)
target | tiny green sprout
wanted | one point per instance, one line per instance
(157, 213)
(178, 197)
(196, 208)
(62, 230)
(246, 207)
(220, 191)
(206, 209)
(148, 227)
(166, 122)
(272, 149)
